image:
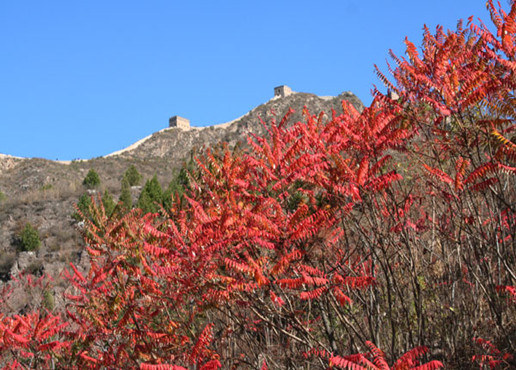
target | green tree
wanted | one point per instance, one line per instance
(29, 238)
(177, 186)
(151, 196)
(125, 196)
(133, 176)
(92, 179)
(146, 204)
(108, 202)
(83, 205)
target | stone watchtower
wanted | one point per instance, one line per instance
(180, 122)
(282, 91)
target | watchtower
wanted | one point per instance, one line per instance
(180, 122)
(282, 91)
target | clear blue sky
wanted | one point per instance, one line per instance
(81, 79)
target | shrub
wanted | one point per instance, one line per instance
(48, 301)
(92, 179)
(46, 187)
(133, 176)
(54, 248)
(29, 238)
(6, 262)
(35, 268)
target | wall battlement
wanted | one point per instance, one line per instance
(282, 91)
(180, 122)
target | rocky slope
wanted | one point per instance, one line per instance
(43, 192)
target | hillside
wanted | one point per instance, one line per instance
(43, 192)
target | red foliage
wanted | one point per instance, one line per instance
(37, 339)
(491, 356)
(375, 359)
(314, 234)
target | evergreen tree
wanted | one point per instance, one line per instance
(146, 204)
(151, 196)
(29, 238)
(182, 180)
(83, 205)
(108, 202)
(133, 176)
(125, 196)
(154, 189)
(177, 186)
(170, 194)
(92, 179)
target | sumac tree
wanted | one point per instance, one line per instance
(325, 240)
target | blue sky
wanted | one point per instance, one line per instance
(81, 79)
